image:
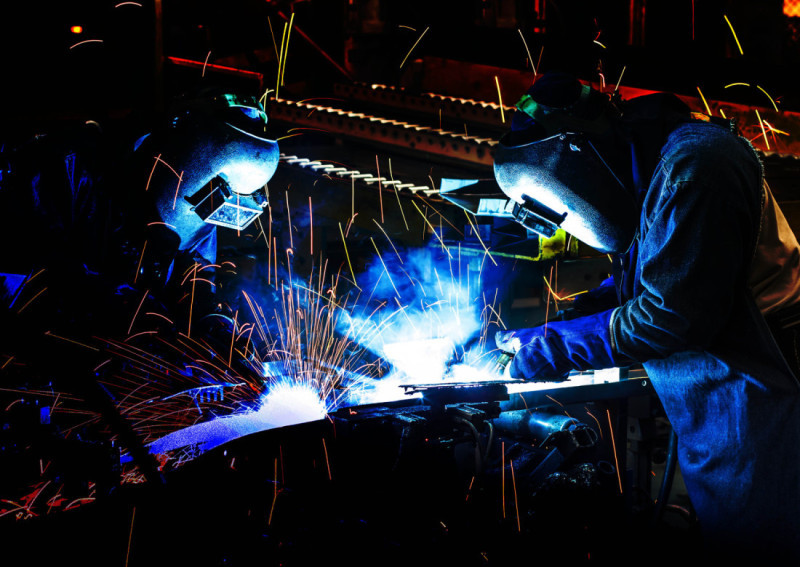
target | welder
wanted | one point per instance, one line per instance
(108, 212)
(706, 288)
(206, 166)
(104, 223)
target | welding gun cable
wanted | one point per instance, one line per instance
(669, 474)
(477, 442)
(489, 440)
(405, 434)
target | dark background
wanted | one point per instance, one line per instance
(675, 45)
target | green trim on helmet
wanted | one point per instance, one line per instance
(557, 119)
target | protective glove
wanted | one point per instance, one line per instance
(549, 352)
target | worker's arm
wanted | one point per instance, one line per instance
(692, 259)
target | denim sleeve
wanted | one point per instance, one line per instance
(693, 251)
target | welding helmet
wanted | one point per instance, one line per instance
(212, 163)
(561, 165)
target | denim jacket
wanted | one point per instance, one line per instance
(693, 294)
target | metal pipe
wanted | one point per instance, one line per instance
(536, 424)
(669, 475)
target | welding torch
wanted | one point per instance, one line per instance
(502, 362)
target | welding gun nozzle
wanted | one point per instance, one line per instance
(503, 360)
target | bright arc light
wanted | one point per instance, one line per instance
(76, 29)
(289, 403)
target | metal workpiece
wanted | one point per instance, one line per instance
(337, 171)
(539, 425)
(487, 114)
(400, 135)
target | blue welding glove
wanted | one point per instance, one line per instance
(549, 352)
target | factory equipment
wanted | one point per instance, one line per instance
(445, 472)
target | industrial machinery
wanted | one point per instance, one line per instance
(384, 227)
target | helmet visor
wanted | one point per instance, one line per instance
(565, 174)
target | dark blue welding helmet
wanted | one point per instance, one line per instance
(558, 164)
(221, 159)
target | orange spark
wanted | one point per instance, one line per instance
(191, 302)
(274, 494)
(380, 188)
(86, 41)
(516, 501)
(139, 265)
(203, 73)
(130, 538)
(311, 225)
(327, 462)
(503, 475)
(177, 188)
(130, 327)
(413, 46)
(500, 98)
(614, 447)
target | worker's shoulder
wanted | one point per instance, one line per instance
(703, 151)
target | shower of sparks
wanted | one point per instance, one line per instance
(385, 269)
(433, 230)
(287, 358)
(317, 345)
(771, 100)
(413, 46)
(475, 231)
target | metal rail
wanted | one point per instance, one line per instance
(489, 114)
(403, 136)
(335, 170)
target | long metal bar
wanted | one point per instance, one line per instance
(489, 114)
(403, 136)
